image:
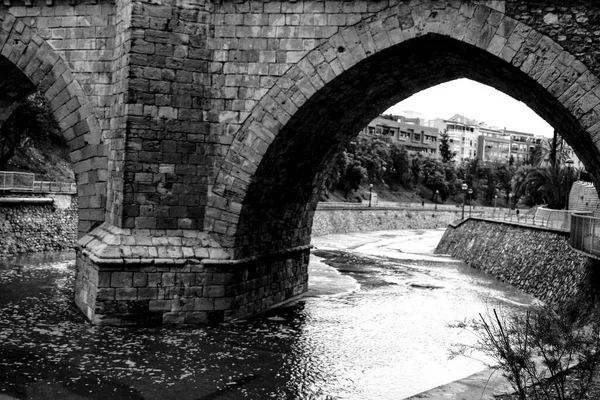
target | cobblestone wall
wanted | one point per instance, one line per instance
(371, 219)
(28, 228)
(537, 261)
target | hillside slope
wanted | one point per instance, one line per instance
(48, 159)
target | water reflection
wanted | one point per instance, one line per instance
(385, 339)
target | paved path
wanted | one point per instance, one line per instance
(483, 385)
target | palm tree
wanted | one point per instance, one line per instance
(548, 153)
(545, 185)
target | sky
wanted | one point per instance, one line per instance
(498, 109)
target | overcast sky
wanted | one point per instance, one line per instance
(498, 109)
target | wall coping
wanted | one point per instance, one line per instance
(457, 223)
(389, 208)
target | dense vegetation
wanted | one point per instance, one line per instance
(31, 141)
(31, 120)
(379, 160)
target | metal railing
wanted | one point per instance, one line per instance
(585, 234)
(25, 182)
(531, 219)
(54, 187)
(16, 181)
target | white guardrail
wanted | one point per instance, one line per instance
(25, 182)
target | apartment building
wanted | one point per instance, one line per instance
(413, 133)
(468, 138)
(521, 145)
(462, 132)
(493, 145)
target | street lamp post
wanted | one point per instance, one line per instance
(569, 163)
(464, 188)
(370, 193)
(470, 205)
(510, 195)
(437, 193)
(495, 203)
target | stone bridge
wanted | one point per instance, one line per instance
(199, 130)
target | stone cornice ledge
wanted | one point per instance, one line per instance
(107, 244)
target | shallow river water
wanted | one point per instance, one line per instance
(375, 327)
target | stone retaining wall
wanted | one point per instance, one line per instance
(28, 228)
(364, 219)
(537, 261)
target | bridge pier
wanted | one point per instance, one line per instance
(130, 278)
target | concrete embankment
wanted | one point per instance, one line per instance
(536, 260)
(328, 220)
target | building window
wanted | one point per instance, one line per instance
(417, 137)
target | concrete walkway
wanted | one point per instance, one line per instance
(483, 385)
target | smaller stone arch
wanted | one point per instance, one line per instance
(32, 64)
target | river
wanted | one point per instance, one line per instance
(374, 325)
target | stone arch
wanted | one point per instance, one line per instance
(32, 64)
(267, 186)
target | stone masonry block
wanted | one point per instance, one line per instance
(147, 293)
(204, 304)
(105, 294)
(215, 291)
(196, 317)
(121, 279)
(223, 303)
(140, 279)
(176, 318)
(160, 305)
(126, 294)
(104, 279)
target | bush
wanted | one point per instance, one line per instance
(541, 349)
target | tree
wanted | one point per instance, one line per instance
(398, 168)
(445, 153)
(434, 176)
(544, 185)
(373, 154)
(488, 182)
(505, 174)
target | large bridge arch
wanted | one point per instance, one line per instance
(267, 185)
(29, 63)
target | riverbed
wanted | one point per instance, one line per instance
(375, 324)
